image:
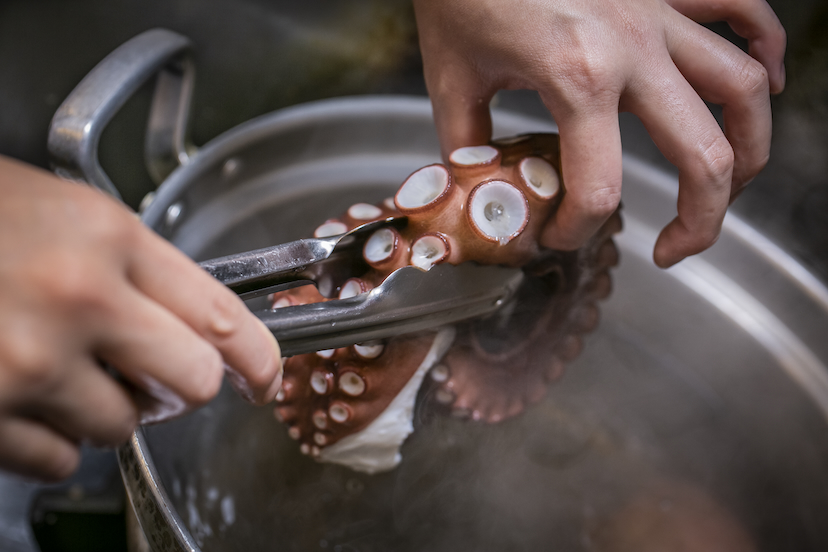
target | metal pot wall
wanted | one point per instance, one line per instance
(711, 374)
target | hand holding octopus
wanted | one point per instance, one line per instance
(590, 59)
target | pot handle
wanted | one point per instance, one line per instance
(79, 121)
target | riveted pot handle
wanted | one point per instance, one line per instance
(77, 126)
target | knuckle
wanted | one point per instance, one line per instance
(227, 314)
(752, 78)
(717, 160)
(600, 203)
(593, 75)
(104, 222)
(31, 364)
(73, 283)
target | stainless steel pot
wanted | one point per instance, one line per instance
(711, 373)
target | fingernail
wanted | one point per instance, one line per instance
(239, 384)
(277, 352)
(664, 261)
(276, 385)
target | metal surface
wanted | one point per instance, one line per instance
(80, 120)
(255, 273)
(713, 372)
(409, 300)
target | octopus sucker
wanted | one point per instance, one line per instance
(376, 448)
(354, 405)
(539, 177)
(474, 156)
(352, 389)
(498, 211)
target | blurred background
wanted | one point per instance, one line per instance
(256, 56)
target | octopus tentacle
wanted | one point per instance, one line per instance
(503, 363)
(488, 205)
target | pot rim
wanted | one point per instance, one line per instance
(807, 372)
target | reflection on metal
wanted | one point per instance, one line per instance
(80, 120)
(786, 264)
(752, 316)
(162, 525)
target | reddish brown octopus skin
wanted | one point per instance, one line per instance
(498, 366)
(488, 206)
(321, 418)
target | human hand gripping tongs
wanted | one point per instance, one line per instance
(409, 300)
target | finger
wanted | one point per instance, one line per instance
(591, 170)
(750, 19)
(213, 312)
(461, 109)
(721, 73)
(31, 449)
(159, 353)
(688, 135)
(90, 406)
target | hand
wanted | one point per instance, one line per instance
(83, 283)
(590, 59)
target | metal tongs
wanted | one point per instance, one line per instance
(409, 300)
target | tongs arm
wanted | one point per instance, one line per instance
(409, 300)
(259, 272)
(255, 273)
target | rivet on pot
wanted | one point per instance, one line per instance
(231, 167)
(173, 214)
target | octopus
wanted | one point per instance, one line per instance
(354, 405)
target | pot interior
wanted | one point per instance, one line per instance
(672, 391)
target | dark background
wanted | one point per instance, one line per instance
(255, 56)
